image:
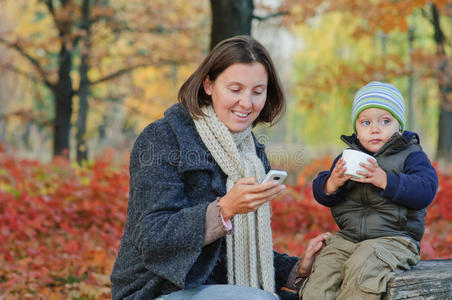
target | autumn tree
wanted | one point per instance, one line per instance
(230, 18)
(95, 42)
(70, 29)
(444, 77)
(384, 16)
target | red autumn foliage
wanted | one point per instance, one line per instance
(60, 224)
(60, 227)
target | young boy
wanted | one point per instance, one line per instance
(381, 218)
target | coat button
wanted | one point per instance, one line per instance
(379, 253)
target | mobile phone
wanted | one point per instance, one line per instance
(278, 175)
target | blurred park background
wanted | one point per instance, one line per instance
(79, 79)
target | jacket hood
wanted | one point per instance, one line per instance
(396, 142)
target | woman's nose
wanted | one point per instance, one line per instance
(246, 101)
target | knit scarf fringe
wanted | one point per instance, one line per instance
(250, 248)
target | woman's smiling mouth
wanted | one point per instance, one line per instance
(241, 115)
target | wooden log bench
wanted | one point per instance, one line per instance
(429, 279)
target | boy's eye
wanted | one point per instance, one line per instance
(385, 121)
(365, 123)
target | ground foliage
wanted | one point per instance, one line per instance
(60, 227)
(61, 224)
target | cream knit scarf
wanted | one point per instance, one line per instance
(249, 249)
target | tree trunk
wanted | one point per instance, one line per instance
(82, 147)
(63, 104)
(230, 18)
(444, 77)
(444, 150)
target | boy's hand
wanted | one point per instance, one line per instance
(337, 177)
(374, 174)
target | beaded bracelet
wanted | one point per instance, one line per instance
(227, 224)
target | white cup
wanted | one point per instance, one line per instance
(352, 159)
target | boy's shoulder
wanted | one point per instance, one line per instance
(417, 154)
(409, 141)
(412, 140)
(411, 136)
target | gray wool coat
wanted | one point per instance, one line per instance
(173, 178)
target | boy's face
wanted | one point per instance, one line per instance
(374, 127)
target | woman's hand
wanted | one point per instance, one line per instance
(314, 246)
(374, 174)
(337, 177)
(247, 195)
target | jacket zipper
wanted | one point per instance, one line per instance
(364, 215)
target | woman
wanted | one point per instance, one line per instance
(198, 221)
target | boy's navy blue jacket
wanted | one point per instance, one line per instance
(415, 188)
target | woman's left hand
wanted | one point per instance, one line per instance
(314, 246)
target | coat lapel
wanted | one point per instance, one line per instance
(193, 153)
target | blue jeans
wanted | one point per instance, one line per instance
(220, 292)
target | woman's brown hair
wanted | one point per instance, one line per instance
(238, 49)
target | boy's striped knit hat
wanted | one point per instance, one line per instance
(379, 95)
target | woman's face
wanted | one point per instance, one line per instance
(238, 94)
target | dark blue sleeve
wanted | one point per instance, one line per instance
(283, 264)
(319, 191)
(416, 187)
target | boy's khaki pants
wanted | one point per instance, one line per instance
(346, 271)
